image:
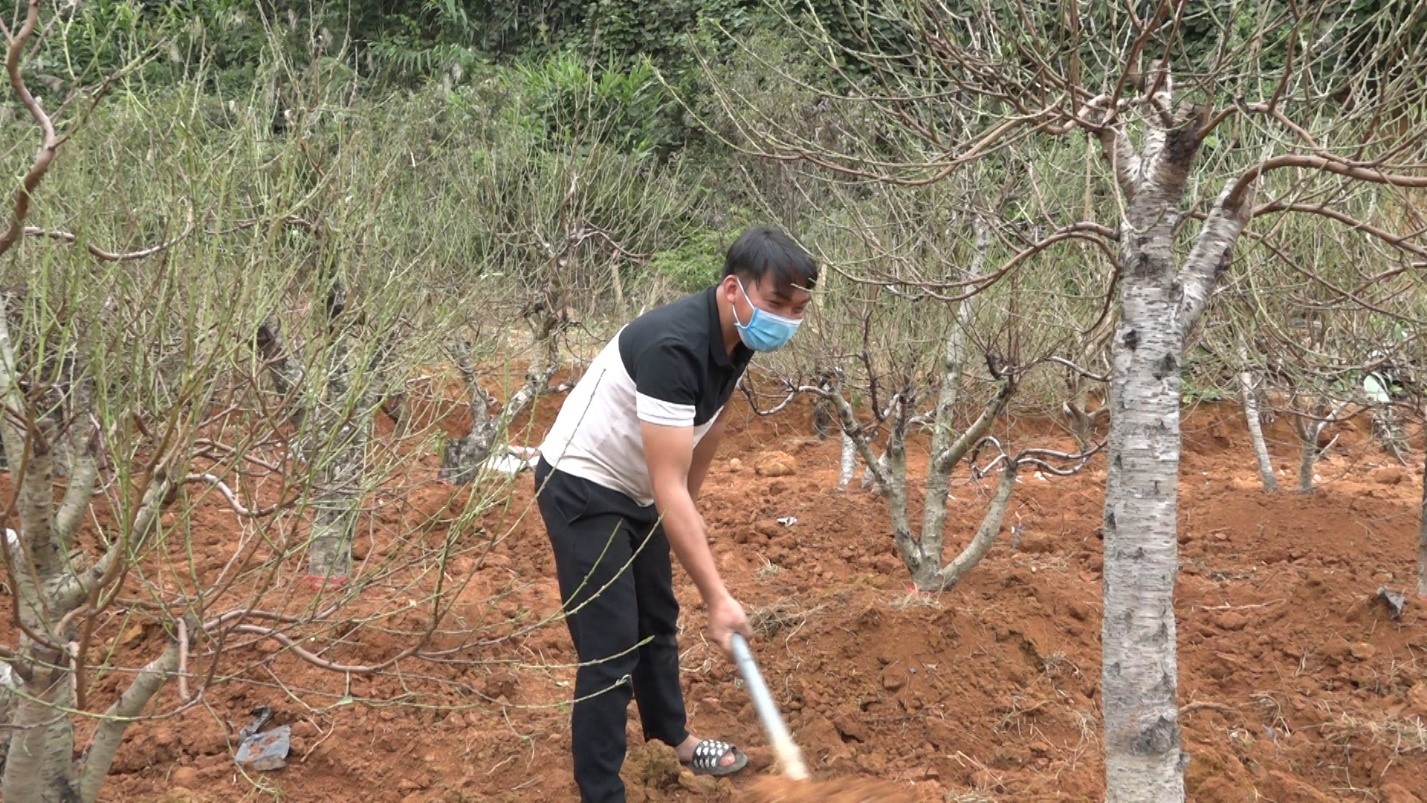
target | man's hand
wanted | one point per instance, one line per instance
(726, 617)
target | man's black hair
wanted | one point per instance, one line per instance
(764, 251)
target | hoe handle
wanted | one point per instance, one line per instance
(789, 756)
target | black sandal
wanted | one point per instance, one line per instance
(708, 756)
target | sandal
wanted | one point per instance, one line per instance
(708, 755)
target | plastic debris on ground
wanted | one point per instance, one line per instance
(264, 752)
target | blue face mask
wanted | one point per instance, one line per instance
(764, 331)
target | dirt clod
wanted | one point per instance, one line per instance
(653, 765)
(1417, 698)
(776, 464)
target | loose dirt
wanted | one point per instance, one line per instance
(846, 790)
(1295, 681)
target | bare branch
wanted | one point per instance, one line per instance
(1401, 242)
(792, 393)
(114, 256)
(353, 669)
(978, 429)
(233, 501)
(48, 142)
(848, 420)
(986, 534)
(107, 568)
(1081, 371)
(1089, 231)
(109, 734)
(1341, 167)
(1209, 255)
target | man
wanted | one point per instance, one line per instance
(617, 479)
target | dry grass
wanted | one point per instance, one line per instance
(779, 616)
(1401, 735)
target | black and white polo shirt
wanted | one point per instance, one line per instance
(668, 366)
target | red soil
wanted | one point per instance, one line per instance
(1295, 683)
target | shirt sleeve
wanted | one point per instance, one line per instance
(666, 385)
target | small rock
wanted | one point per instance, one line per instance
(822, 744)
(186, 777)
(735, 465)
(1363, 651)
(776, 464)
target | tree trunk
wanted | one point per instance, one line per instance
(847, 466)
(9, 683)
(985, 534)
(286, 379)
(110, 732)
(1388, 431)
(1422, 530)
(1309, 425)
(341, 469)
(1249, 390)
(1139, 678)
(870, 475)
(894, 488)
(39, 765)
(938, 482)
(1307, 458)
(1139, 670)
(463, 457)
(1139, 666)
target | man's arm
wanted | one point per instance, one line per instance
(703, 456)
(669, 452)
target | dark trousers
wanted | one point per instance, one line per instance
(616, 583)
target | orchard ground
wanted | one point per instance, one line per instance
(1296, 683)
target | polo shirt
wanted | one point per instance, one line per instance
(668, 366)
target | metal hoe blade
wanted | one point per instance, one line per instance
(789, 756)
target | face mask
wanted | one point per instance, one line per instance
(764, 331)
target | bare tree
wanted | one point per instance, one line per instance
(1249, 396)
(54, 585)
(133, 369)
(889, 353)
(963, 82)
